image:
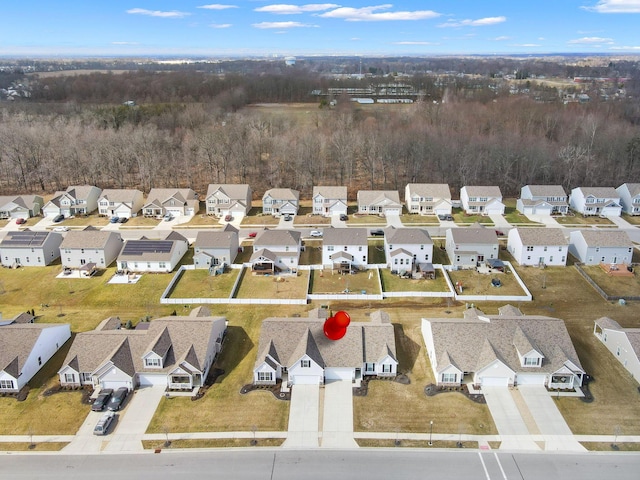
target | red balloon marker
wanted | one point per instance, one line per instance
(336, 327)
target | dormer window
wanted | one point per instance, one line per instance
(153, 362)
(531, 361)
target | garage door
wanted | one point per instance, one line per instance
(176, 212)
(392, 211)
(338, 374)
(115, 384)
(306, 380)
(147, 380)
(530, 379)
(494, 381)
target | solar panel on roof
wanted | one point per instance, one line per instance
(138, 247)
(25, 239)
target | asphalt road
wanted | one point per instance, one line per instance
(369, 464)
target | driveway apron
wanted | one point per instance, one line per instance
(337, 419)
(557, 434)
(303, 417)
(509, 422)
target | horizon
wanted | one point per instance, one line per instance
(263, 29)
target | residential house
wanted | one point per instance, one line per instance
(630, 198)
(471, 246)
(25, 348)
(502, 350)
(24, 317)
(345, 249)
(176, 352)
(296, 351)
(543, 200)
(90, 248)
(407, 249)
(593, 247)
(428, 198)
(482, 200)
(20, 206)
(604, 201)
(379, 202)
(276, 251)
(328, 201)
(121, 203)
(280, 201)
(538, 246)
(213, 248)
(228, 199)
(178, 202)
(624, 343)
(75, 200)
(146, 255)
(29, 249)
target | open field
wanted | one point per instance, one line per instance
(612, 285)
(270, 286)
(474, 283)
(393, 283)
(323, 281)
(199, 284)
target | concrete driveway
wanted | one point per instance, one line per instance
(621, 222)
(511, 426)
(546, 220)
(394, 221)
(337, 418)
(500, 223)
(303, 417)
(556, 432)
(85, 441)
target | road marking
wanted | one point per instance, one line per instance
(484, 466)
(495, 454)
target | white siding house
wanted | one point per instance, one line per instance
(215, 248)
(471, 246)
(428, 198)
(329, 200)
(75, 200)
(542, 200)
(603, 201)
(26, 348)
(280, 201)
(81, 248)
(623, 343)
(159, 256)
(30, 249)
(276, 251)
(345, 249)
(228, 199)
(630, 198)
(121, 203)
(176, 201)
(379, 202)
(538, 246)
(593, 247)
(405, 248)
(481, 200)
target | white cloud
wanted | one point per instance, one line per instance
(615, 6)
(502, 38)
(526, 45)
(480, 22)
(414, 43)
(266, 25)
(158, 13)
(125, 43)
(369, 14)
(220, 25)
(284, 9)
(591, 41)
(217, 6)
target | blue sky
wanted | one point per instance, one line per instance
(353, 27)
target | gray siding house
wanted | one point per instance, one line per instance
(228, 199)
(21, 206)
(215, 248)
(593, 247)
(90, 247)
(469, 247)
(329, 200)
(30, 249)
(75, 200)
(122, 203)
(280, 201)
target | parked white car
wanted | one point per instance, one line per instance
(61, 229)
(315, 233)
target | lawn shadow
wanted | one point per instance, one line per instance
(50, 369)
(407, 350)
(237, 344)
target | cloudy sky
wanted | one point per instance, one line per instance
(357, 27)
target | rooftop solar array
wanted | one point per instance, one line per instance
(139, 247)
(24, 239)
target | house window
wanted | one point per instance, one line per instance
(265, 376)
(162, 264)
(369, 367)
(531, 361)
(69, 378)
(545, 248)
(386, 368)
(152, 362)
(6, 384)
(395, 261)
(85, 377)
(449, 377)
(359, 249)
(602, 259)
(618, 351)
(421, 247)
(39, 361)
(305, 363)
(529, 248)
(329, 248)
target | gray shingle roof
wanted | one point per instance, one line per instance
(88, 239)
(600, 192)
(231, 190)
(120, 195)
(606, 238)
(330, 192)
(16, 343)
(407, 236)
(434, 190)
(270, 238)
(634, 188)
(283, 194)
(547, 190)
(375, 197)
(344, 236)
(542, 236)
(473, 235)
(490, 191)
(209, 239)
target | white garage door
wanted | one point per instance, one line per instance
(338, 374)
(176, 212)
(392, 211)
(306, 380)
(530, 379)
(494, 381)
(148, 379)
(115, 384)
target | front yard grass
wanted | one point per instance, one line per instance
(513, 216)
(324, 281)
(305, 218)
(256, 217)
(273, 286)
(141, 221)
(94, 220)
(199, 284)
(211, 443)
(579, 219)
(632, 219)
(359, 219)
(415, 219)
(393, 283)
(612, 285)
(474, 283)
(460, 217)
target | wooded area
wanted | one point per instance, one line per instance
(50, 142)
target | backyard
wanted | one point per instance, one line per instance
(393, 283)
(613, 285)
(328, 282)
(272, 286)
(199, 284)
(474, 283)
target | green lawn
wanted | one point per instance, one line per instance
(323, 281)
(270, 286)
(312, 254)
(393, 283)
(415, 219)
(199, 284)
(612, 285)
(256, 217)
(579, 219)
(376, 252)
(513, 216)
(460, 217)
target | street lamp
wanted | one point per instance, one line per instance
(430, 433)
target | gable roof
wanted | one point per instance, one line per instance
(546, 190)
(89, 239)
(375, 197)
(632, 334)
(474, 235)
(17, 340)
(408, 236)
(540, 236)
(80, 191)
(282, 194)
(606, 238)
(235, 191)
(266, 238)
(158, 196)
(344, 236)
(633, 188)
(27, 239)
(599, 192)
(483, 191)
(120, 195)
(330, 192)
(212, 239)
(435, 190)
(151, 250)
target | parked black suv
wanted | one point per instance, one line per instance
(118, 399)
(377, 233)
(103, 397)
